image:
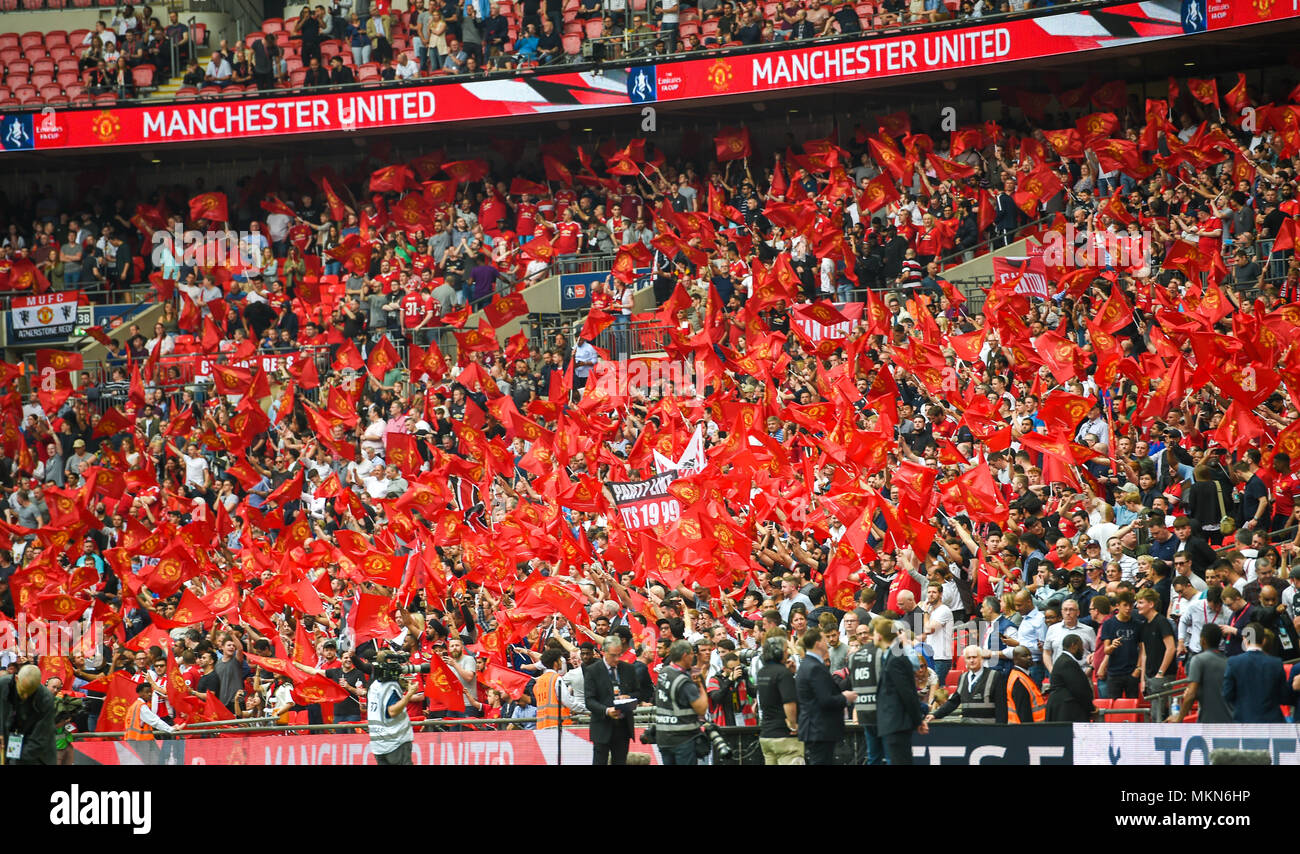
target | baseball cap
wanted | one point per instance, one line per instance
(80, 443)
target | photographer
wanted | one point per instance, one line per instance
(680, 700)
(731, 694)
(390, 727)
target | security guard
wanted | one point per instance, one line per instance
(680, 702)
(981, 692)
(1025, 702)
(864, 678)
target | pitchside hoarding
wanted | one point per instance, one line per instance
(874, 57)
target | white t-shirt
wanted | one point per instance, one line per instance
(940, 637)
(195, 469)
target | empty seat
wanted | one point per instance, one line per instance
(572, 45)
(186, 94)
(60, 51)
(108, 99)
(59, 100)
(50, 90)
(142, 76)
(44, 65)
(73, 90)
(39, 80)
(594, 28)
(27, 40)
(54, 37)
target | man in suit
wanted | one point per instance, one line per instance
(1070, 696)
(821, 704)
(898, 710)
(603, 680)
(1254, 683)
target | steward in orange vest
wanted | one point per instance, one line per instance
(1025, 702)
(548, 695)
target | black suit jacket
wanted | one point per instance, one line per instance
(1070, 697)
(897, 707)
(821, 705)
(598, 694)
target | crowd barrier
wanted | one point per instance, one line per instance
(946, 744)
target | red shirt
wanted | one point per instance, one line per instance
(490, 214)
(564, 198)
(414, 306)
(389, 279)
(525, 217)
(566, 237)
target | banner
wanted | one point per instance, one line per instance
(647, 503)
(483, 747)
(874, 56)
(691, 461)
(268, 363)
(993, 744)
(52, 315)
(1030, 269)
(1180, 744)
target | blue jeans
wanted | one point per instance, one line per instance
(71, 276)
(873, 749)
(941, 668)
(682, 754)
(1038, 673)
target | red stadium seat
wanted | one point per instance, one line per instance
(24, 93)
(108, 99)
(68, 63)
(297, 76)
(574, 28)
(60, 51)
(594, 28)
(68, 78)
(9, 102)
(8, 40)
(34, 53)
(58, 100)
(82, 4)
(142, 76)
(41, 80)
(76, 37)
(1125, 703)
(81, 99)
(18, 66)
(332, 47)
(954, 676)
(73, 90)
(32, 39)
(5, 94)
(572, 5)
(709, 29)
(507, 8)
(273, 25)
(54, 37)
(200, 33)
(44, 65)
(369, 71)
(691, 29)
(572, 45)
(186, 94)
(8, 5)
(55, 4)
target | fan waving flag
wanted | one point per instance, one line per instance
(383, 358)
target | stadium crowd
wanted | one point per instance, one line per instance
(993, 471)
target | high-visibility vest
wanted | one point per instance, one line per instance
(546, 694)
(1039, 705)
(136, 728)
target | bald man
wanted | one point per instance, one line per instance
(26, 719)
(981, 692)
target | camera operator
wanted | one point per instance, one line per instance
(390, 726)
(731, 694)
(680, 701)
(778, 705)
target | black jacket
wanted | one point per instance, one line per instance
(33, 718)
(1069, 699)
(598, 695)
(821, 705)
(897, 707)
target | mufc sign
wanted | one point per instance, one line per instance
(35, 318)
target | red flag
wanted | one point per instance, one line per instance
(337, 209)
(348, 357)
(1206, 91)
(465, 171)
(522, 186)
(383, 358)
(371, 619)
(512, 682)
(209, 206)
(442, 688)
(117, 703)
(556, 170)
(733, 144)
(391, 179)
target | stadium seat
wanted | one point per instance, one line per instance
(50, 90)
(200, 34)
(58, 100)
(73, 90)
(76, 37)
(8, 5)
(273, 25)
(142, 76)
(684, 30)
(67, 64)
(8, 40)
(10, 55)
(186, 93)
(253, 38)
(9, 102)
(60, 51)
(24, 94)
(572, 45)
(332, 47)
(572, 5)
(574, 28)
(39, 80)
(82, 4)
(54, 37)
(1125, 703)
(507, 8)
(954, 676)
(107, 99)
(34, 53)
(296, 77)
(5, 94)
(369, 71)
(594, 28)
(209, 93)
(32, 39)
(44, 65)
